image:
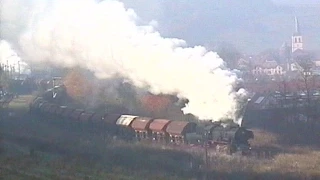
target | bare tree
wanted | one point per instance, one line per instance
(306, 64)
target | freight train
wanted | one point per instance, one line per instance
(211, 135)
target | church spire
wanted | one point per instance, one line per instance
(297, 26)
(297, 42)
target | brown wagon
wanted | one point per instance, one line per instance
(178, 129)
(85, 116)
(76, 114)
(124, 123)
(109, 123)
(141, 127)
(96, 123)
(158, 130)
(104, 123)
(67, 112)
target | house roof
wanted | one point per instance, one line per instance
(269, 64)
(299, 52)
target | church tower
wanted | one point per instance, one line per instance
(297, 42)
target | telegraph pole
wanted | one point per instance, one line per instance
(206, 155)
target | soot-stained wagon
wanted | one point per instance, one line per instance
(96, 122)
(97, 118)
(74, 118)
(124, 122)
(141, 127)
(177, 130)
(104, 122)
(85, 117)
(109, 123)
(158, 130)
(66, 114)
(76, 114)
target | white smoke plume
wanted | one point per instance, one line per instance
(107, 38)
(9, 57)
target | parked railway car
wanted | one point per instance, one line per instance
(66, 114)
(109, 124)
(141, 128)
(76, 114)
(177, 131)
(103, 123)
(158, 130)
(85, 117)
(125, 130)
(96, 122)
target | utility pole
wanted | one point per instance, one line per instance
(12, 71)
(206, 155)
(306, 75)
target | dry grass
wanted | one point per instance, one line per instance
(121, 160)
(264, 139)
(307, 163)
(281, 166)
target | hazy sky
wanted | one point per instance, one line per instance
(297, 1)
(250, 25)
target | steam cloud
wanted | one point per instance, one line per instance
(9, 57)
(107, 38)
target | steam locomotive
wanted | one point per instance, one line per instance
(211, 135)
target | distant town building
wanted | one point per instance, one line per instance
(283, 61)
